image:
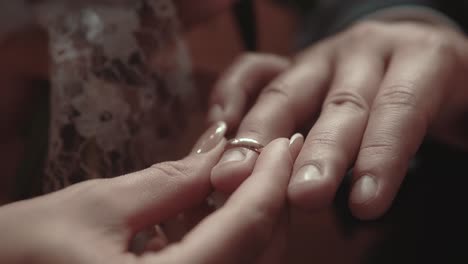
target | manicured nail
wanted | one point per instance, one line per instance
(306, 174)
(364, 190)
(211, 138)
(215, 113)
(234, 154)
(296, 138)
(295, 145)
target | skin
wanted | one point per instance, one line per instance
(49, 230)
(367, 97)
(69, 225)
(276, 67)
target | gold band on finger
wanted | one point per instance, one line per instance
(245, 143)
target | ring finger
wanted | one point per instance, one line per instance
(334, 140)
(283, 105)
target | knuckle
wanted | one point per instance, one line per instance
(278, 92)
(377, 156)
(442, 49)
(348, 100)
(433, 42)
(436, 41)
(365, 30)
(397, 96)
(376, 149)
(93, 186)
(323, 139)
(99, 194)
(384, 142)
(176, 171)
(312, 52)
(326, 146)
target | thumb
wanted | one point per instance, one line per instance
(150, 196)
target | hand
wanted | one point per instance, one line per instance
(94, 221)
(372, 93)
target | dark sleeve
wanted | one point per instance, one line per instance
(330, 17)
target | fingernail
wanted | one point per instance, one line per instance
(215, 113)
(210, 138)
(295, 145)
(294, 139)
(306, 174)
(234, 154)
(364, 190)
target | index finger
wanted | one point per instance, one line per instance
(239, 231)
(285, 104)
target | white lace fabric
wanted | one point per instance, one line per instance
(122, 97)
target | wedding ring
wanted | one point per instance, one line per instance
(245, 143)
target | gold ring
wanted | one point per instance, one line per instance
(245, 143)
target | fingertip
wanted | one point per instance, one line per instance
(244, 225)
(238, 164)
(279, 145)
(367, 212)
(296, 142)
(367, 200)
(313, 185)
(227, 176)
(313, 194)
(211, 139)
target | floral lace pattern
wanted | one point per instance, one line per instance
(121, 96)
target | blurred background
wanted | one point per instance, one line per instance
(421, 224)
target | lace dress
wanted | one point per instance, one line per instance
(121, 91)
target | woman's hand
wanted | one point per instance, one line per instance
(94, 221)
(372, 93)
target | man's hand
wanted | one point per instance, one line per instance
(370, 94)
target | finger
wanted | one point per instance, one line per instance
(296, 143)
(403, 108)
(240, 230)
(276, 249)
(288, 101)
(248, 75)
(166, 189)
(333, 143)
(275, 252)
(227, 177)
